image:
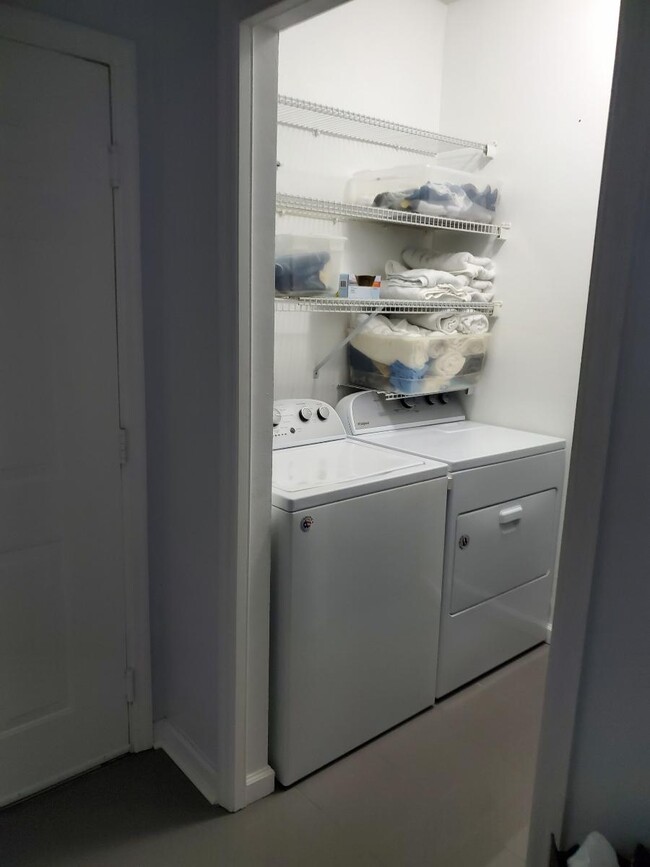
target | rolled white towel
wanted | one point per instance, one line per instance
(446, 321)
(449, 364)
(474, 323)
(474, 345)
(440, 344)
(481, 285)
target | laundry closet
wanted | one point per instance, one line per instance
(438, 173)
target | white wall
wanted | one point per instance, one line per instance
(535, 77)
(355, 57)
(360, 57)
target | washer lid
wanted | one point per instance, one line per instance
(466, 444)
(312, 475)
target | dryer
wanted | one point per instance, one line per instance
(503, 511)
(356, 579)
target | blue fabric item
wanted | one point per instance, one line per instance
(361, 362)
(454, 195)
(300, 273)
(407, 380)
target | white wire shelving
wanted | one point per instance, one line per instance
(325, 304)
(397, 395)
(373, 307)
(339, 123)
(302, 206)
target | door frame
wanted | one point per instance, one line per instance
(119, 56)
(605, 312)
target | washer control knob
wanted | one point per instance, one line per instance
(305, 413)
(277, 417)
(323, 412)
(432, 399)
(443, 398)
(408, 402)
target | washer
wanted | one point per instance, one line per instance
(503, 510)
(356, 578)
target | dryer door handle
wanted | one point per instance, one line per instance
(511, 514)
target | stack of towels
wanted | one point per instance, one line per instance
(429, 276)
(402, 355)
(461, 201)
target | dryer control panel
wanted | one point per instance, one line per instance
(368, 412)
(304, 421)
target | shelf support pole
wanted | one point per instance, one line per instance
(343, 343)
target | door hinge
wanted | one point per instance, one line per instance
(124, 446)
(114, 166)
(129, 685)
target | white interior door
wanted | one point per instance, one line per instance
(62, 602)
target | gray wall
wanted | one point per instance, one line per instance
(609, 781)
(188, 207)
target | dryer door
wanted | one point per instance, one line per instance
(502, 547)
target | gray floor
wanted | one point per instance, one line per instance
(452, 786)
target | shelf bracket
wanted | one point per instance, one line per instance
(343, 343)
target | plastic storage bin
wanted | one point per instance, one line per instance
(451, 362)
(308, 265)
(431, 190)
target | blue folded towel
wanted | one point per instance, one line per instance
(407, 380)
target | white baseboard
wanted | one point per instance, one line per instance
(189, 759)
(259, 784)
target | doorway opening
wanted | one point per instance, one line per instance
(350, 117)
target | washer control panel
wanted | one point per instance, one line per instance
(367, 411)
(305, 421)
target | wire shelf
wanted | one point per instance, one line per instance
(336, 122)
(302, 206)
(396, 395)
(383, 305)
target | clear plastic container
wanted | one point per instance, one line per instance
(308, 265)
(432, 190)
(455, 362)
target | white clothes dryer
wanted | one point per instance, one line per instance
(356, 578)
(503, 510)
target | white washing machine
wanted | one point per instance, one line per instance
(357, 555)
(503, 510)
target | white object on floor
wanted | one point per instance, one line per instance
(596, 851)
(354, 611)
(502, 524)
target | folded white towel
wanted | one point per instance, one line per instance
(463, 263)
(386, 341)
(422, 276)
(483, 297)
(449, 364)
(474, 323)
(446, 321)
(487, 272)
(411, 292)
